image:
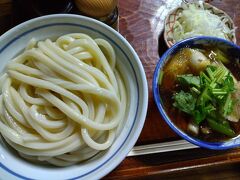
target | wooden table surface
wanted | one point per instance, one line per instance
(141, 23)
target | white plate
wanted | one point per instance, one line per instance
(13, 42)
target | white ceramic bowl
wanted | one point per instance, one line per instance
(13, 42)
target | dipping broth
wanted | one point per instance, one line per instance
(221, 120)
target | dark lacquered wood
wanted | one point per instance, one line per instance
(197, 163)
(141, 23)
(5, 15)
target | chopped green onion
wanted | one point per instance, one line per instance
(227, 107)
(219, 92)
(210, 73)
(222, 75)
(220, 128)
(218, 71)
(221, 57)
(160, 77)
(205, 76)
(195, 90)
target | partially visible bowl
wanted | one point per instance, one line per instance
(14, 41)
(196, 42)
(172, 17)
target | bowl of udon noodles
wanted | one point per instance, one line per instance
(196, 88)
(73, 99)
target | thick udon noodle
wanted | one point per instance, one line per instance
(62, 102)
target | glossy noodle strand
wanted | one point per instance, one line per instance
(62, 101)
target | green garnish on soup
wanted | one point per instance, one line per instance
(205, 92)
